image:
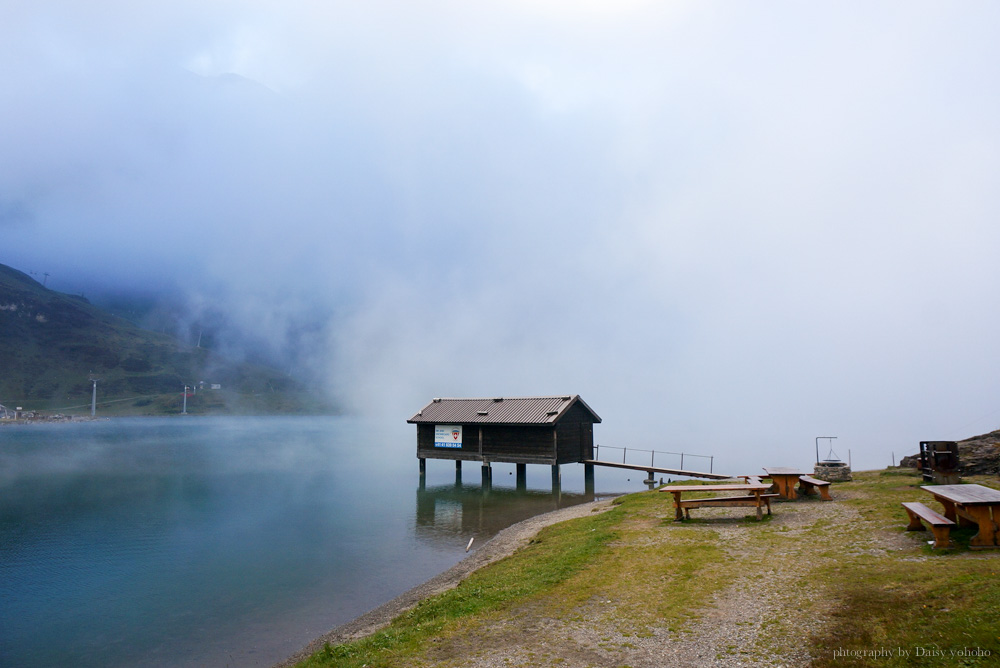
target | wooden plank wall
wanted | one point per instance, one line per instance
(571, 440)
(575, 435)
(528, 445)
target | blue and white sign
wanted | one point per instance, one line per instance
(447, 436)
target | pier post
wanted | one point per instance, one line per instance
(487, 475)
(588, 479)
(423, 466)
(556, 476)
(522, 477)
(458, 472)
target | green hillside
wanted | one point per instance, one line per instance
(51, 344)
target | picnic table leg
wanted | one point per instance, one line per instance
(760, 514)
(678, 513)
(987, 536)
(786, 486)
(949, 509)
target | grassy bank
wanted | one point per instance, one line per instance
(818, 583)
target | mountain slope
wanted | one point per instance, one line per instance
(51, 344)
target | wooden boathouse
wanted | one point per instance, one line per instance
(521, 430)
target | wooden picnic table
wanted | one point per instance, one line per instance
(971, 504)
(755, 495)
(784, 479)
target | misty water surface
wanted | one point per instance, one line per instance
(229, 541)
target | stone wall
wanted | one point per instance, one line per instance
(832, 472)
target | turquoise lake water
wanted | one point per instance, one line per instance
(230, 541)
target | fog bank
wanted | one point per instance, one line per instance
(731, 229)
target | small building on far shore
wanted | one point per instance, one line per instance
(549, 430)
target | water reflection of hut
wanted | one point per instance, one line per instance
(519, 430)
(449, 514)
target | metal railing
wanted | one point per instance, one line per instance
(652, 456)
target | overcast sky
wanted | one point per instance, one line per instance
(731, 227)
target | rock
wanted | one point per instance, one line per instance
(980, 455)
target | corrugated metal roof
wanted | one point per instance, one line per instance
(499, 410)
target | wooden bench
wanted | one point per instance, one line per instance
(938, 523)
(726, 501)
(808, 485)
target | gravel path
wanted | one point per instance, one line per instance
(754, 621)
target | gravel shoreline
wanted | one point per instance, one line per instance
(505, 543)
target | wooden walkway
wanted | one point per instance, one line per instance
(657, 469)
